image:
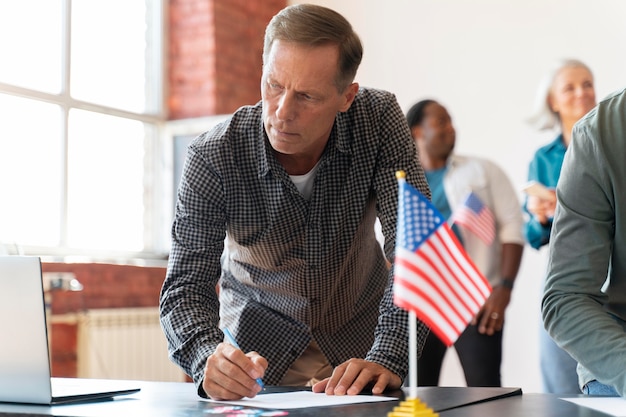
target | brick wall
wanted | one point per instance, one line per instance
(215, 54)
(107, 286)
(104, 286)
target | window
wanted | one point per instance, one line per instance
(81, 172)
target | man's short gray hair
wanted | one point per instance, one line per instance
(314, 25)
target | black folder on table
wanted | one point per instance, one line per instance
(446, 398)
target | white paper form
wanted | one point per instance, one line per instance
(615, 406)
(303, 399)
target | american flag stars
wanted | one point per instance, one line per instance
(420, 220)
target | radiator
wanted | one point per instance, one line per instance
(124, 343)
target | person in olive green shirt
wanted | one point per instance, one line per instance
(584, 302)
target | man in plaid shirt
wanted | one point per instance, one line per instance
(293, 185)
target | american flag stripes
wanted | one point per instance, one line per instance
(433, 276)
(476, 217)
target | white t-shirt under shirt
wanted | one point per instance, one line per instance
(304, 183)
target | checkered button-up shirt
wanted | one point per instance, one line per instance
(294, 269)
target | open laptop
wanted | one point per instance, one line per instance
(24, 357)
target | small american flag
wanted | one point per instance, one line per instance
(476, 217)
(433, 276)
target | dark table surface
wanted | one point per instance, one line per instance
(180, 399)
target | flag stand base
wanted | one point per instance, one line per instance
(412, 407)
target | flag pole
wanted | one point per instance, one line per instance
(412, 355)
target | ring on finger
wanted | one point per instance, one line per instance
(494, 316)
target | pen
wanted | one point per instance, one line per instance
(233, 342)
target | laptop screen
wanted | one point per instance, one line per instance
(24, 357)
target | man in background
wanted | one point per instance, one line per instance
(493, 239)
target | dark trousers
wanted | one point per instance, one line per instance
(480, 356)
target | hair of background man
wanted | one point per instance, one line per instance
(416, 113)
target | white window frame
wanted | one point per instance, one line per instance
(157, 216)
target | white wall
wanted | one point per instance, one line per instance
(483, 59)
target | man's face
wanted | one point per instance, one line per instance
(300, 98)
(437, 132)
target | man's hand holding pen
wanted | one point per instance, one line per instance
(231, 374)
